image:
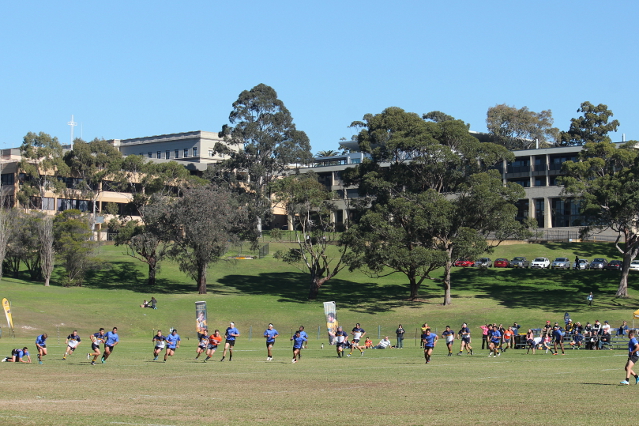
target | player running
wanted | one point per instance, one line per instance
(429, 341)
(214, 340)
(73, 340)
(341, 338)
(464, 336)
(298, 342)
(230, 335)
(449, 335)
(633, 357)
(558, 339)
(172, 343)
(270, 334)
(111, 339)
(41, 345)
(358, 332)
(96, 340)
(495, 337)
(159, 342)
(203, 338)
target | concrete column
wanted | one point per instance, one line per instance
(547, 213)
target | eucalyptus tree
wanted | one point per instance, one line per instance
(593, 126)
(521, 128)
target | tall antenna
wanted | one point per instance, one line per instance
(72, 124)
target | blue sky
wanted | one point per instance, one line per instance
(132, 69)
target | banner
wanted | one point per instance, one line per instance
(7, 312)
(200, 317)
(636, 313)
(330, 312)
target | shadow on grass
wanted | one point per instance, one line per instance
(555, 290)
(587, 250)
(293, 287)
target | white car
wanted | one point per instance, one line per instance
(540, 263)
(634, 265)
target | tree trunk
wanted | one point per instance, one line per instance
(414, 288)
(447, 268)
(152, 268)
(622, 291)
(316, 283)
(201, 278)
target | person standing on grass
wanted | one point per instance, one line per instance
(485, 330)
(358, 332)
(158, 344)
(172, 343)
(508, 335)
(111, 339)
(41, 345)
(73, 340)
(449, 335)
(214, 340)
(270, 334)
(96, 340)
(429, 341)
(530, 341)
(558, 339)
(230, 335)
(590, 299)
(341, 337)
(400, 337)
(633, 357)
(203, 341)
(298, 342)
(495, 339)
(464, 335)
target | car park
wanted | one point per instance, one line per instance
(501, 263)
(581, 264)
(598, 263)
(560, 263)
(540, 263)
(519, 262)
(634, 265)
(484, 262)
(464, 263)
(614, 265)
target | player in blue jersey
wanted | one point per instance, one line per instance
(19, 355)
(270, 334)
(111, 339)
(73, 340)
(495, 338)
(558, 339)
(633, 357)
(172, 343)
(159, 342)
(340, 339)
(96, 340)
(230, 335)
(429, 340)
(41, 346)
(203, 339)
(464, 336)
(304, 335)
(449, 335)
(298, 342)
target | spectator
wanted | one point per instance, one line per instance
(144, 304)
(484, 337)
(590, 298)
(596, 328)
(578, 328)
(577, 340)
(530, 341)
(153, 304)
(516, 328)
(400, 337)
(368, 343)
(383, 344)
(570, 326)
(605, 328)
(604, 340)
(623, 328)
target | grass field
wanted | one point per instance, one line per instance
(382, 387)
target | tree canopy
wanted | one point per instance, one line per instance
(592, 126)
(521, 128)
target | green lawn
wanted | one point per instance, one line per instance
(382, 387)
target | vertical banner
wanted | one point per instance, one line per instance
(330, 312)
(7, 312)
(200, 317)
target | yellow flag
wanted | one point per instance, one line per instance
(7, 312)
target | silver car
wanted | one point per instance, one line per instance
(582, 264)
(598, 263)
(484, 262)
(560, 263)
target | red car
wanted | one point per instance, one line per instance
(501, 263)
(464, 263)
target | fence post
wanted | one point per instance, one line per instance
(379, 331)
(250, 332)
(319, 328)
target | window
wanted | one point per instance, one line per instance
(540, 181)
(210, 153)
(168, 154)
(8, 179)
(159, 154)
(177, 153)
(150, 154)
(186, 152)
(194, 151)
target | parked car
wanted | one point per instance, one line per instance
(501, 263)
(483, 262)
(519, 262)
(614, 265)
(560, 263)
(582, 264)
(634, 265)
(464, 262)
(598, 263)
(540, 263)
